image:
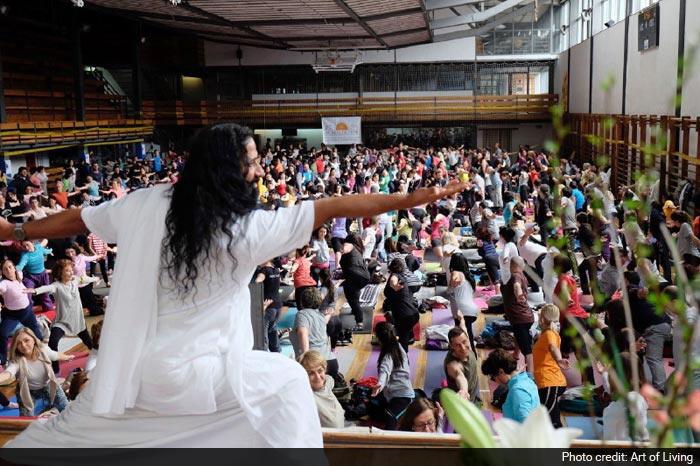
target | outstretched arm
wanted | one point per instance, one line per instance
(369, 205)
(61, 225)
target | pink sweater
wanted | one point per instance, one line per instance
(79, 266)
(11, 291)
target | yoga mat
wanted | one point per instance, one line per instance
(346, 356)
(434, 371)
(38, 408)
(285, 292)
(442, 317)
(381, 318)
(586, 425)
(68, 366)
(287, 319)
(348, 320)
(429, 256)
(430, 267)
(287, 350)
(371, 367)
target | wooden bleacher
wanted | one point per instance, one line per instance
(39, 82)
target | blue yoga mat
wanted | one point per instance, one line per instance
(588, 425)
(287, 320)
(38, 408)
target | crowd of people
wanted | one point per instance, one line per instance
(549, 234)
(564, 234)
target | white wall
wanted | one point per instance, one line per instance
(217, 54)
(608, 62)
(691, 87)
(651, 74)
(579, 78)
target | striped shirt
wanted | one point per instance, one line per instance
(98, 245)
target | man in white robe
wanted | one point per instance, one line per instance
(179, 371)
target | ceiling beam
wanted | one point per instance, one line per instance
(285, 22)
(349, 11)
(486, 27)
(426, 18)
(477, 17)
(333, 38)
(255, 33)
(440, 4)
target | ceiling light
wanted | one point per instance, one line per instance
(78, 3)
(174, 2)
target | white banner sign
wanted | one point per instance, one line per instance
(341, 130)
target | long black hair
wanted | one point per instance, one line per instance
(354, 239)
(208, 199)
(326, 279)
(458, 263)
(389, 342)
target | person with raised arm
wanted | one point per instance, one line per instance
(176, 362)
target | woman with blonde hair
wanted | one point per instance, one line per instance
(330, 412)
(30, 363)
(549, 362)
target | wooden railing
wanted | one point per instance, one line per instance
(373, 109)
(18, 136)
(338, 438)
(633, 143)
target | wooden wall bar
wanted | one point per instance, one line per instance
(633, 143)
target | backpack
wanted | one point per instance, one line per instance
(341, 390)
(495, 304)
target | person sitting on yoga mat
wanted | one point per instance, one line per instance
(501, 367)
(30, 363)
(330, 412)
(394, 387)
(460, 364)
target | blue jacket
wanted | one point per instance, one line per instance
(522, 397)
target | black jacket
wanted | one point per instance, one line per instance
(354, 268)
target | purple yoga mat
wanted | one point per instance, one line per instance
(371, 367)
(442, 317)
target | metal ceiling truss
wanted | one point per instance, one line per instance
(477, 17)
(486, 27)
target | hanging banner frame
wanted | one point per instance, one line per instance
(342, 130)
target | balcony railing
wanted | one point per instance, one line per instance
(375, 109)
